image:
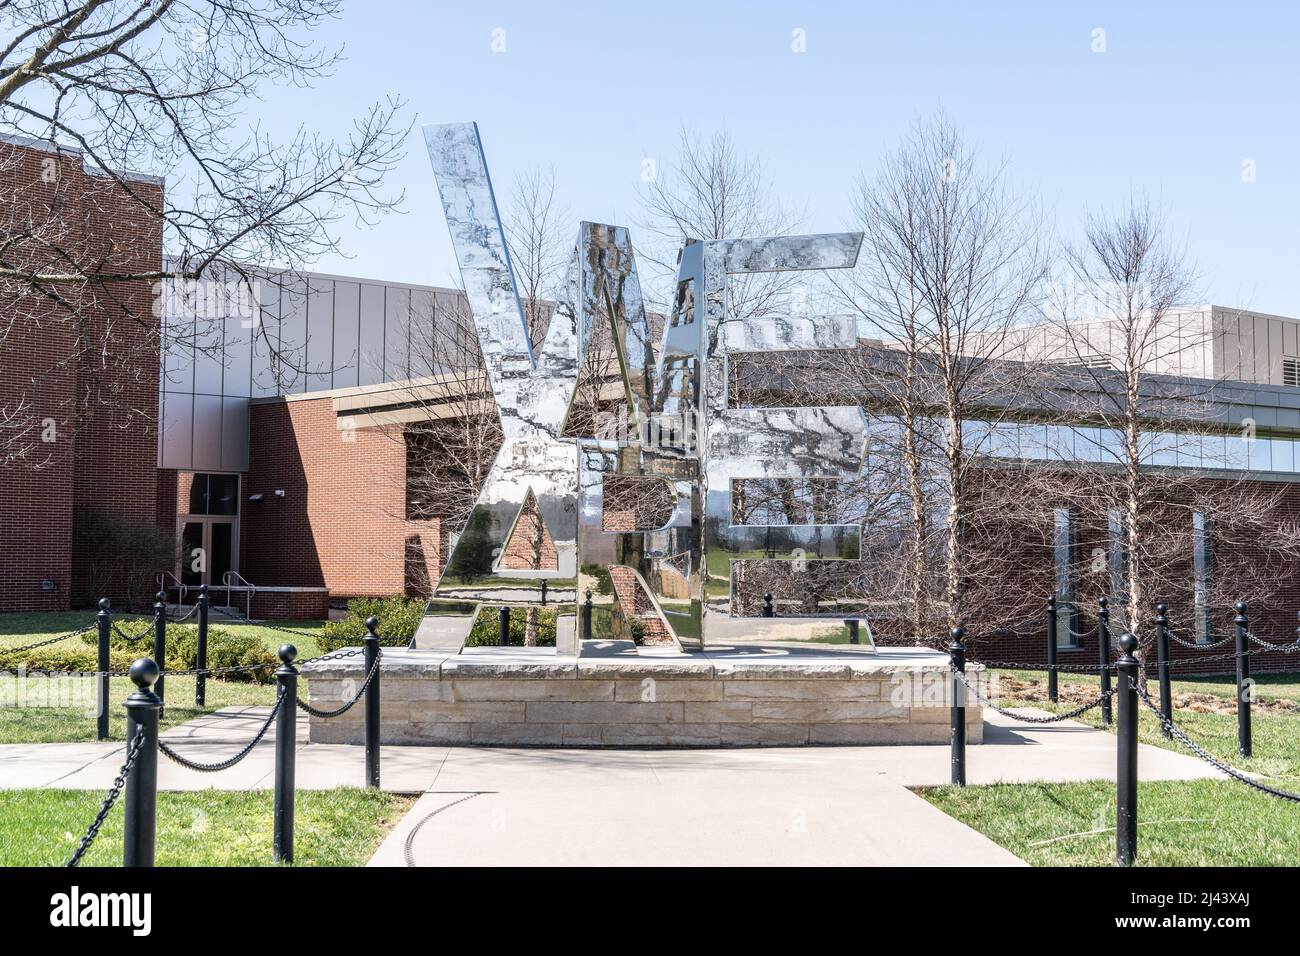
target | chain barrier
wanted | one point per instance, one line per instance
(326, 714)
(275, 627)
(1230, 656)
(1084, 669)
(1208, 757)
(231, 761)
(1283, 648)
(332, 656)
(194, 609)
(1199, 645)
(46, 641)
(147, 632)
(92, 831)
(1052, 719)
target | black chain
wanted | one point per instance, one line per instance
(209, 671)
(1208, 757)
(276, 627)
(1055, 718)
(1086, 669)
(334, 656)
(230, 762)
(1231, 655)
(132, 751)
(147, 632)
(1198, 645)
(326, 714)
(49, 640)
(1284, 648)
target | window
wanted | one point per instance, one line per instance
(214, 495)
(1290, 370)
(1202, 569)
(1117, 559)
(1067, 608)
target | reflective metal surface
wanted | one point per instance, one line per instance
(671, 580)
(518, 546)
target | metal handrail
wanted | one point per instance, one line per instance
(244, 585)
(181, 587)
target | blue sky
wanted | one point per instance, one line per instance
(1183, 95)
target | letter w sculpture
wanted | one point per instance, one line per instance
(563, 514)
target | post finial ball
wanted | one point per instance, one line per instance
(1128, 643)
(104, 604)
(143, 672)
(1051, 601)
(287, 653)
(957, 633)
(372, 624)
(161, 597)
(1103, 602)
(1242, 607)
(1161, 609)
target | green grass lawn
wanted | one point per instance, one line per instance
(340, 827)
(1180, 823)
(47, 724)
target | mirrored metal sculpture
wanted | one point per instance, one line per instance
(548, 524)
(518, 545)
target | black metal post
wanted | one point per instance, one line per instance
(1051, 649)
(768, 609)
(586, 618)
(1162, 665)
(1103, 657)
(201, 654)
(957, 659)
(543, 592)
(1243, 679)
(853, 632)
(140, 833)
(160, 644)
(372, 704)
(286, 678)
(505, 626)
(1126, 768)
(105, 622)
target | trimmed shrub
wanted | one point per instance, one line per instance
(65, 659)
(225, 649)
(399, 619)
(486, 631)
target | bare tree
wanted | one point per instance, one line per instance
(1157, 465)
(710, 190)
(161, 88)
(952, 267)
(535, 226)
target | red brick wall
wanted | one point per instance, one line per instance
(88, 365)
(341, 523)
(1272, 578)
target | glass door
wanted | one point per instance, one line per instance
(209, 548)
(209, 534)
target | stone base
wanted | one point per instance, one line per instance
(758, 695)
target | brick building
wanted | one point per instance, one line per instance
(79, 394)
(265, 425)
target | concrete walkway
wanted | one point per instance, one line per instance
(778, 806)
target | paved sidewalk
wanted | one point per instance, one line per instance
(493, 806)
